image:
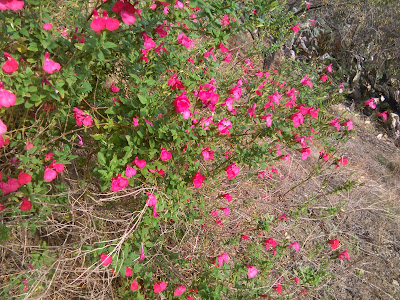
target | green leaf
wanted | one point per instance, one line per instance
(142, 99)
(108, 45)
(101, 158)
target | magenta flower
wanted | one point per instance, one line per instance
(306, 81)
(344, 255)
(175, 83)
(47, 26)
(165, 155)
(349, 124)
(3, 127)
(278, 288)
(252, 272)
(105, 259)
(334, 243)
(371, 103)
(228, 197)
(223, 126)
(148, 41)
(329, 68)
(111, 23)
(82, 118)
(296, 28)
(383, 115)
(11, 185)
(98, 23)
(225, 20)
(142, 257)
(270, 243)
(181, 289)
(207, 153)
(295, 246)
(127, 11)
(223, 258)
(11, 4)
(129, 171)
(134, 285)
(223, 48)
(182, 105)
(198, 180)
(305, 152)
(128, 272)
(141, 163)
(161, 31)
(7, 98)
(226, 211)
(118, 183)
(232, 171)
(11, 65)
(324, 78)
(49, 174)
(268, 119)
(159, 286)
(297, 118)
(185, 41)
(335, 122)
(49, 66)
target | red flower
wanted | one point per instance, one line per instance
(344, 255)
(159, 286)
(26, 204)
(232, 171)
(24, 178)
(7, 98)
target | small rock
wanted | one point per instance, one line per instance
(367, 122)
(395, 282)
(379, 136)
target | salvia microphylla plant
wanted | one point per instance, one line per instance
(165, 99)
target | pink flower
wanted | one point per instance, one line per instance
(371, 103)
(225, 20)
(209, 52)
(214, 213)
(383, 115)
(312, 22)
(283, 217)
(28, 145)
(306, 81)
(295, 246)
(49, 66)
(24, 178)
(151, 200)
(26, 204)
(105, 259)
(270, 243)
(308, 7)
(232, 171)
(160, 30)
(223, 258)
(11, 4)
(296, 280)
(335, 122)
(198, 180)
(305, 153)
(185, 41)
(268, 119)
(129, 171)
(141, 163)
(349, 124)
(228, 57)
(135, 121)
(296, 28)
(11, 185)
(159, 286)
(329, 68)
(128, 272)
(252, 272)
(223, 126)
(278, 288)
(49, 174)
(82, 118)
(165, 155)
(118, 183)
(47, 26)
(111, 23)
(134, 285)
(344, 255)
(228, 197)
(175, 83)
(114, 88)
(127, 11)
(207, 153)
(324, 77)
(182, 105)
(334, 243)
(223, 48)
(148, 41)
(98, 23)
(297, 118)
(252, 110)
(181, 289)
(11, 65)
(244, 237)
(226, 211)
(7, 98)
(3, 127)
(142, 257)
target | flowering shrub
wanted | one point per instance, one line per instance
(152, 100)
